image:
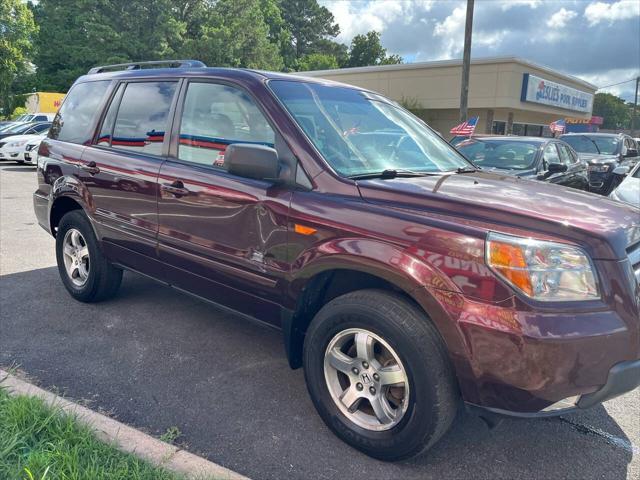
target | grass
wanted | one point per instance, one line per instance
(42, 443)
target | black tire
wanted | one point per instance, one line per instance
(104, 279)
(434, 398)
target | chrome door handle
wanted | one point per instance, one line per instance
(91, 168)
(176, 188)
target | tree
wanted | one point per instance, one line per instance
(17, 29)
(235, 35)
(309, 24)
(317, 61)
(367, 50)
(613, 109)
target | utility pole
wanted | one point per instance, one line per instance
(466, 61)
(635, 106)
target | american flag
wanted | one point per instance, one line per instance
(558, 126)
(465, 128)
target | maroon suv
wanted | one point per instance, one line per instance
(405, 280)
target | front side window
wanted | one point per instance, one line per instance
(360, 133)
(215, 116)
(500, 153)
(551, 155)
(143, 117)
(565, 154)
(74, 120)
(104, 137)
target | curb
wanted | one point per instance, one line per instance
(125, 438)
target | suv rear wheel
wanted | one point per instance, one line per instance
(86, 273)
(378, 374)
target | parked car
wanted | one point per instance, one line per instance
(405, 280)
(13, 148)
(535, 158)
(628, 190)
(31, 149)
(603, 152)
(36, 117)
(25, 129)
(456, 140)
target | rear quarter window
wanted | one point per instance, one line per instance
(75, 119)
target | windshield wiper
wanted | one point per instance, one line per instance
(467, 169)
(391, 173)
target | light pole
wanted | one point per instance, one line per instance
(635, 106)
(466, 61)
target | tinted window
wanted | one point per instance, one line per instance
(215, 116)
(503, 154)
(41, 118)
(592, 144)
(104, 137)
(75, 118)
(142, 119)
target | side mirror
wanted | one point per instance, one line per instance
(631, 152)
(621, 170)
(557, 168)
(252, 161)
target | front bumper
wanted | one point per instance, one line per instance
(16, 155)
(623, 377)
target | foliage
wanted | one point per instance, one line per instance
(617, 115)
(367, 50)
(18, 111)
(42, 443)
(17, 29)
(317, 61)
(411, 103)
(309, 24)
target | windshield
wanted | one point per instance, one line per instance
(504, 154)
(360, 133)
(588, 144)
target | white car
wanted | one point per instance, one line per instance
(31, 150)
(13, 148)
(629, 190)
(36, 117)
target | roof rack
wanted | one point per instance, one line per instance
(140, 65)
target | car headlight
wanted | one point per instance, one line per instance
(17, 143)
(545, 271)
(599, 168)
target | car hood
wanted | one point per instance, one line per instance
(597, 158)
(511, 204)
(15, 138)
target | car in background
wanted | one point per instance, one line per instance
(36, 117)
(628, 191)
(603, 152)
(535, 158)
(458, 139)
(30, 153)
(13, 148)
(25, 129)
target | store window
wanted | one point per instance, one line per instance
(499, 128)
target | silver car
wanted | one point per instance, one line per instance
(629, 190)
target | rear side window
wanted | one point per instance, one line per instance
(75, 118)
(215, 116)
(143, 115)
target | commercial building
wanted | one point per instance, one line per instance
(509, 94)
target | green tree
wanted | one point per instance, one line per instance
(309, 24)
(17, 29)
(613, 109)
(235, 35)
(317, 61)
(367, 50)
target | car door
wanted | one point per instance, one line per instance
(120, 169)
(550, 154)
(225, 235)
(574, 177)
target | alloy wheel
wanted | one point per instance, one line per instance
(76, 257)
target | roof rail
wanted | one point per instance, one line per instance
(140, 65)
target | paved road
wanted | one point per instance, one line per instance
(155, 358)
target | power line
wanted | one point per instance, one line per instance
(619, 83)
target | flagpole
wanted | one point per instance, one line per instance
(466, 62)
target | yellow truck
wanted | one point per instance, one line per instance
(43, 102)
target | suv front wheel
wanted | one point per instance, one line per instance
(87, 275)
(378, 374)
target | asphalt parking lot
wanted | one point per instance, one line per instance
(155, 358)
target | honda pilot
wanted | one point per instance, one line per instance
(407, 282)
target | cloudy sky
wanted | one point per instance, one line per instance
(597, 40)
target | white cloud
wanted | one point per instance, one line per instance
(597, 12)
(356, 17)
(560, 18)
(518, 3)
(611, 77)
(451, 30)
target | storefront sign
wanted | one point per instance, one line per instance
(546, 92)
